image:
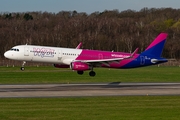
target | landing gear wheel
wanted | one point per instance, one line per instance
(22, 68)
(80, 72)
(92, 73)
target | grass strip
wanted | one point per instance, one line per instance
(32, 75)
(88, 108)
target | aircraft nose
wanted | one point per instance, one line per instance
(6, 54)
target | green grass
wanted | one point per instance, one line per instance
(33, 75)
(91, 108)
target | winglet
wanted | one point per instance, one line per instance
(134, 52)
(78, 47)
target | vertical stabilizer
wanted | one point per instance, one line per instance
(156, 47)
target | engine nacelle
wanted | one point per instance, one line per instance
(61, 66)
(79, 66)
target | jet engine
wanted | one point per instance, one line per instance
(79, 66)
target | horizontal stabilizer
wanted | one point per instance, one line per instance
(158, 60)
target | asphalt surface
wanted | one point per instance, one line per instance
(95, 89)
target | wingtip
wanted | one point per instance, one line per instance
(135, 52)
(79, 46)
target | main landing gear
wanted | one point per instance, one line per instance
(80, 72)
(91, 73)
(22, 67)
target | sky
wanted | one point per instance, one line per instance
(88, 6)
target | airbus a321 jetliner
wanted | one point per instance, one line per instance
(81, 60)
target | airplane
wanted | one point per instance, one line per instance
(81, 60)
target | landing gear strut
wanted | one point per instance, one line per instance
(92, 73)
(22, 67)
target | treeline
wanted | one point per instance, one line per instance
(108, 30)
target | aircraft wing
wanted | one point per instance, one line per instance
(104, 61)
(108, 61)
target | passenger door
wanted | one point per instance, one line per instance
(26, 51)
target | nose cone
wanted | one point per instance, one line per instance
(7, 54)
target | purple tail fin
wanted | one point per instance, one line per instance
(156, 47)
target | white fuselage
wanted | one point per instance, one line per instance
(43, 54)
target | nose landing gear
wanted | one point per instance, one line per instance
(22, 67)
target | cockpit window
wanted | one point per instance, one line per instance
(14, 49)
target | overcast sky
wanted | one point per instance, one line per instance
(88, 6)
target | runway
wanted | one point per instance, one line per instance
(91, 89)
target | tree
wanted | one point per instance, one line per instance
(28, 17)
